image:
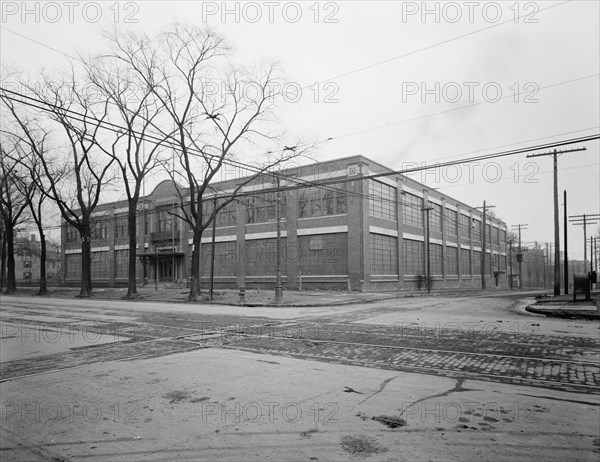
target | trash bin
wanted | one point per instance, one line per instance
(581, 285)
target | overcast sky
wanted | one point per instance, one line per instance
(398, 82)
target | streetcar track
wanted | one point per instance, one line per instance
(553, 384)
(397, 347)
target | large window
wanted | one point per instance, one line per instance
(261, 257)
(100, 229)
(435, 217)
(451, 222)
(495, 236)
(435, 259)
(465, 262)
(502, 237)
(166, 219)
(122, 263)
(100, 265)
(226, 258)
(261, 207)
(476, 263)
(72, 235)
(325, 254)
(73, 264)
(384, 254)
(226, 216)
(382, 200)
(121, 227)
(464, 226)
(451, 264)
(322, 201)
(412, 256)
(476, 230)
(412, 210)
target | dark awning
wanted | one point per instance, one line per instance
(165, 253)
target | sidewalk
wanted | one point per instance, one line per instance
(563, 306)
(265, 297)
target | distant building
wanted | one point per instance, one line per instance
(370, 232)
(28, 261)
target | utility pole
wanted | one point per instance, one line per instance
(510, 281)
(593, 263)
(546, 264)
(427, 254)
(212, 249)
(278, 286)
(483, 249)
(584, 220)
(565, 238)
(556, 224)
(520, 226)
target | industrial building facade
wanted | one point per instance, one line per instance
(339, 228)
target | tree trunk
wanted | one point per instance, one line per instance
(131, 228)
(195, 272)
(86, 263)
(11, 280)
(43, 285)
(3, 261)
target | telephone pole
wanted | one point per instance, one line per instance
(556, 224)
(278, 285)
(427, 255)
(483, 249)
(565, 238)
(520, 226)
(584, 220)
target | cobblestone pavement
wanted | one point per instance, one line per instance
(566, 363)
(561, 363)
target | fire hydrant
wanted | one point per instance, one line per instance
(242, 295)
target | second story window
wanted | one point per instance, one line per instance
(100, 229)
(435, 217)
(322, 201)
(166, 220)
(121, 227)
(382, 200)
(226, 216)
(261, 207)
(412, 210)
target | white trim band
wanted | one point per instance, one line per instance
(384, 231)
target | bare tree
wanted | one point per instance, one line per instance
(3, 249)
(214, 109)
(30, 146)
(76, 175)
(12, 206)
(135, 108)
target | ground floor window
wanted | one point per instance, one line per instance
(451, 263)
(412, 257)
(260, 257)
(122, 263)
(384, 254)
(226, 258)
(99, 265)
(465, 262)
(435, 259)
(476, 263)
(73, 265)
(325, 254)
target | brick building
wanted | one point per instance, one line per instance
(28, 261)
(338, 227)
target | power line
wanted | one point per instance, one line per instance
(466, 106)
(397, 57)
(428, 47)
(397, 172)
(325, 184)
